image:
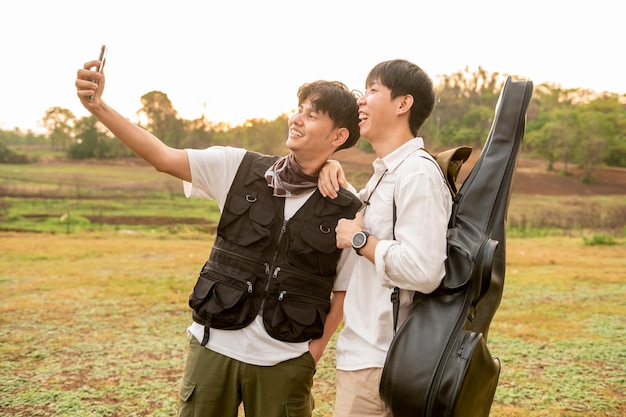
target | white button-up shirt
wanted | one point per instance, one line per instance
(413, 260)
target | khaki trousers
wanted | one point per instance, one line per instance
(357, 394)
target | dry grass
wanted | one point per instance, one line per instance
(94, 325)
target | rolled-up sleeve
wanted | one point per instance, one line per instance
(415, 259)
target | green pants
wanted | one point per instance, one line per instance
(214, 385)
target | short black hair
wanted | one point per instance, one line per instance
(404, 77)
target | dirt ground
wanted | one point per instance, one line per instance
(531, 176)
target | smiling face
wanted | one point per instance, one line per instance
(312, 133)
(377, 111)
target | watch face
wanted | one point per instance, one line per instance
(358, 240)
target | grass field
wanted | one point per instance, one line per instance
(93, 324)
(97, 261)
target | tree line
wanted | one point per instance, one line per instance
(567, 126)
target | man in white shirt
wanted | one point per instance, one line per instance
(262, 306)
(399, 237)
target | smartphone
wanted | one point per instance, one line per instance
(102, 58)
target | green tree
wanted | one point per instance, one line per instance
(595, 128)
(7, 156)
(577, 126)
(162, 119)
(464, 110)
(612, 108)
(550, 134)
(568, 137)
(199, 133)
(570, 125)
(19, 137)
(266, 136)
(93, 141)
(59, 123)
(542, 143)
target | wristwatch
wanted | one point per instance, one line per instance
(359, 239)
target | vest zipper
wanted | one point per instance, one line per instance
(270, 267)
(235, 285)
(283, 293)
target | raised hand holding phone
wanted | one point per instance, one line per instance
(102, 59)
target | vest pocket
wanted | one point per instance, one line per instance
(313, 247)
(247, 219)
(295, 318)
(221, 300)
(295, 313)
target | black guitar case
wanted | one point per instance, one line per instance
(438, 363)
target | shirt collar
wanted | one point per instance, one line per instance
(395, 158)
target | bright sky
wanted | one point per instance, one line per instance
(245, 59)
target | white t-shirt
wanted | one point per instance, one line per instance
(413, 261)
(212, 173)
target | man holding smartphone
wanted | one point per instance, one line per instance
(266, 302)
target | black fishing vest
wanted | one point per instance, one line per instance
(262, 263)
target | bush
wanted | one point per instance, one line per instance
(600, 239)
